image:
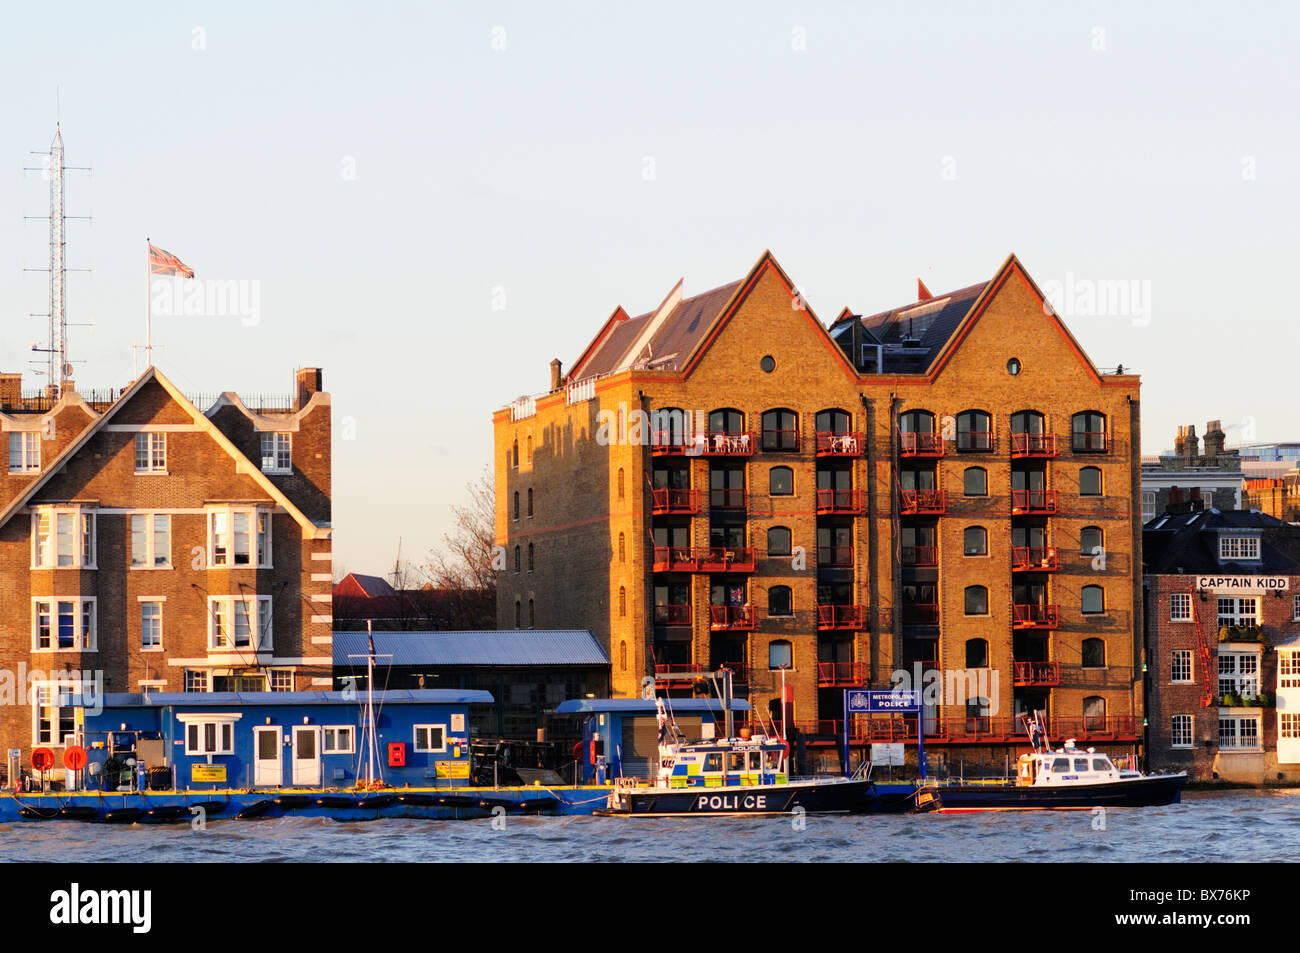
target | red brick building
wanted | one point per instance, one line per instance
(147, 544)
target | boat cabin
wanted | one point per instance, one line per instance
(723, 763)
(1065, 766)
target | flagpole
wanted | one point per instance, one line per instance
(148, 320)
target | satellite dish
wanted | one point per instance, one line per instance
(67, 371)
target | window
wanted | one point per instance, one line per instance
(975, 541)
(151, 626)
(530, 502)
(622, 602)
(276, 453)
(1090, 481)
(1148, 505)
(1239, 673)
(63, 625)
(977, 600)
(518, 615)
(532, 614)
(1088, 432)
(780, 655)
(1091, 541)
(779, 601)
(1239, 612)
(622, 491)
(151, 540)
(54, 719)
(528, 458)
(531, 552)
(781, 431)
(215, 736)
(1094, 713)
(977, 653)
(430, 738)
(1238, 547)
(622, 656)
(239, 623)
(778, 541)
(974, 430)
(1180, 666)
(24, 452)
(1180, 607)
(1180, 732)
(1295, 611)
(975, 482)
(1288, 725)
(196, 680)
(338, 739)
(1238, 731)
(1288, 669)
(63, 538)
(150, 452)
(514, 455)
(1093, 653)
(281, 680)
(516, 559)
(516, 504)
(782, 481)
(232, 534)
(1092, 600)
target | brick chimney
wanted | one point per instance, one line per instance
(1180, 441)
(1214, 437)
(557, 377)
(1191, 445)
(307, 381)
(11, 390)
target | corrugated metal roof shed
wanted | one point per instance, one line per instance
(423, 696)
(478, 647)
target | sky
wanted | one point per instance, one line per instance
(432, 200)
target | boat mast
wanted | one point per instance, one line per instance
(370, 703)
(730, 720)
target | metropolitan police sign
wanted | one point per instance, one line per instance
(863, 702)
(1243, 583)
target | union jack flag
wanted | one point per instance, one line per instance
(165, 263)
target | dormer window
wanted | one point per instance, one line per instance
(24, 452)
(63, 537)
(277, 456)
(150, 452)
(1238, 547)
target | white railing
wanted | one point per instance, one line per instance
(523, 407)
(582, 390)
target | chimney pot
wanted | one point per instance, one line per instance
(557, 378)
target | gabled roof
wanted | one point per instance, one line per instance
(473, 647)
(242, 464)
(1188, 543)
(355, 584)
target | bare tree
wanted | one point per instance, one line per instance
(463, 568)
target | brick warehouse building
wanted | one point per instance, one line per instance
(157, 547)
(724, 480)
(1223, 643)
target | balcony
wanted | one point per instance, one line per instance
(1090, 441)
(686, 502)
(841, 674)
(664, 443)
(732, 618)
(729, 444)
(727, 498)
(1036, 674)
(710, 559)
(975, 441)
(674, 614)
(839, 502)
(832, 557)
(864, 729)
(919, 555)
(1035, 616)
(678, 673)
(831, 444)
(780, 441)
(920, 445)
(920, 613)
(1024, 502)
(1035, 559)
(923, 502)
(841, 617)
(1033, 445)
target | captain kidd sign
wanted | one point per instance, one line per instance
(1243, 583)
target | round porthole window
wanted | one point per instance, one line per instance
(1013, 367)
(768, 364)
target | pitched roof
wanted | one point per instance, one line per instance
(414, 696)
(356, 584)
(480, 647)
(1188, 543)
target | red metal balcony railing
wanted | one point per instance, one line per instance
(920, 445)
(732, 618)
(841, 617)
(727, 498)
(1090, 441)
(710, 559)
(670, 442)
(839, 501)
(834, 556)
(674, 614)
(1033, 501)
(830, 444)
(920, 613)
(1033, 445)
(841, 674)
(780, 441)
(864, 729)
(1035, 559)
(678, 672)
(1036, 674)
(916, 502)
(1035, 616)
(975, 441)
(729, 444)
(675, 501)
(920, 555)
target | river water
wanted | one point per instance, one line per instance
(1208, 827)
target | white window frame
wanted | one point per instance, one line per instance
(84, 617)
(415, 738)
(153, 444)
(1288, 668)
(259, 537)
(150, 540)
(192, 677)
(222, 615)
(57, 690)
(270, 679)
(330, 735)
(1148, 505)
(1189, 666)
(1187, 730)
(277, 447)
(84, 541)
(1288, 725)
(1239, 677)
(196, 729)
(28, 451)
(1243, 611)
(151, 646)
(1180, 607)
(1295, 612)
(1238, 720)
(1238, 548)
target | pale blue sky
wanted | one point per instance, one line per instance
(865, 145)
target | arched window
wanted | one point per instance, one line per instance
(726, 421)
(622, 656)
(975, 541)
(780, 654)
(516, 504)
(916, 421)
(518, 618)
(975, 482)
(622, 547)
(516, 559)
(781, 481)
(530, 557)
(1088, 432)
(622, 602)
(530, 503)
(1092, 600)
(514, 454)
(668, 427)
(1094, 713)
(1090, 481)
(529, 458)
(532, 615)
(1094, 653)
(621, 482)
(778, 541)
(1028, 421)
(917, 435)
(974, 430)
(1091, 541)
(779, 602)
(781, 430)
(977, 600)
(834, 421)
(977, 653)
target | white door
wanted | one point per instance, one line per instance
(268, 757)
(306, 756)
